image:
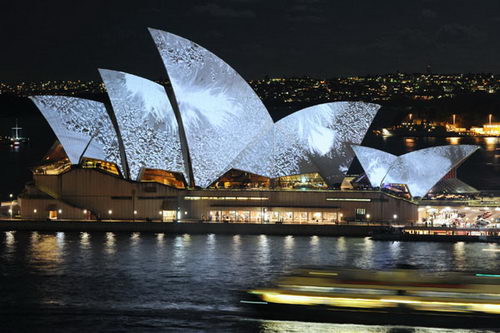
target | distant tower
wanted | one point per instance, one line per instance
(428, 69)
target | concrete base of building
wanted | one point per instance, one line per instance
(193, 228)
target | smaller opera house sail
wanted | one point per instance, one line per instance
(82, 126)
(316, 139)
(419, 170)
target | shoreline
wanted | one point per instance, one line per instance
(375, 232)
(194, 228)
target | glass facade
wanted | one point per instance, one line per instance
(459, 216)
(54, 168)
(273, 215)
(163, 177)
(89, 163)
(308, 181)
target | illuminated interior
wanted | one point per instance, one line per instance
(400, 190)
(236, 179)
(55, 161)
(89, 163)
(306, 181)
(459, 216)
(276, 215)
(53, 168)
(163, 177)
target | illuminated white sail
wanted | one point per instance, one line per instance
(82, 126)
(146, 122)
(314, 139)
(375, 162)
(420, 170)
(220, 112)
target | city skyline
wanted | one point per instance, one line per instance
(292, 38)
(384, 87)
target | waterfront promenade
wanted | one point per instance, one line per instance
(356, 229)
(195, 228)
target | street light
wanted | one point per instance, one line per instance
(11, 210)
(368, 218)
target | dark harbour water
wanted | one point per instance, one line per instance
(138, 282)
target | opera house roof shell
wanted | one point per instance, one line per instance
(211, 121)
(419, 170)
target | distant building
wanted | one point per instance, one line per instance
(487, 129)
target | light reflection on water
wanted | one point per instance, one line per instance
(199, 276)
(263, 250)
(46, 251)
(110, 243)
(236, 247)
(85, 240)
(395, 248)
(10, 240)
(459, 253)
(288, 243)
(453, 140)
(160, 240)
(491, 143)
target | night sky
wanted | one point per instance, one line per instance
(45, 40)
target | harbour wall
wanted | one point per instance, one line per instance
(193, 228)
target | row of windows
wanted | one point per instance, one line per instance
(349, 199)
(226, 198)
(265, 198)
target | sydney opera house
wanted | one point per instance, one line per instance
(206, 148)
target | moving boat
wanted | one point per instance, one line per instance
(404, 296)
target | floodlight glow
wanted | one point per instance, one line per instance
(146, 122)
(82, 126)
(220, 112)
